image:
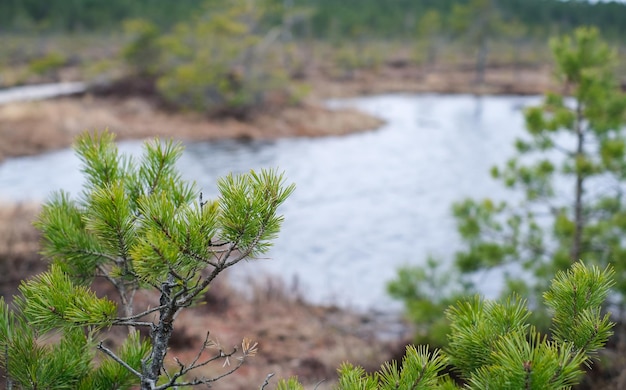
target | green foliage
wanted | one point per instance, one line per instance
(33, 362)
(137, 225)
(579, 144)
(338, 18)
(47, 64)
(477, 326)
(335, 18)
(143, 51)
(289, 384)
(492, 345)
(112, 375)
(429, 32)
(352, 56)
(478, 19)
(478, 22)
(571, 323)
(426, 294)
(220, 61)
(420, 370)
(533, 363)
(45, 305)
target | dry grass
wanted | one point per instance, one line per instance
(28, 128)
(402, 77)
(295, 338)
(19, 244)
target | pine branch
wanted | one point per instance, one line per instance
(120, 361)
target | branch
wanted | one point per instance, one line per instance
(199, 381)
(206, 343)
(183, 249)
(81, 251)
(121, 290)
(136, 316)
(223, 264)
(562, 149)
(133, 323)
(108, 277)
(120, 361)
(256, 240)
(267, 379)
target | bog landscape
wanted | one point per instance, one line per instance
(300, 194)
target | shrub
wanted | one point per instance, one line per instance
(47, 64)
(219, 62)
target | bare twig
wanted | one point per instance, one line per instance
(139, 315)
(199, 381)
(133, 323)
(267, 380)
(117, 359)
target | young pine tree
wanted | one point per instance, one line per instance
(570, 169)
(139, 226)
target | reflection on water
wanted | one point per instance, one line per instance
(364, 203)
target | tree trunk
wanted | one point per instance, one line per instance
(481, 61)
(160, 336)
(578, 202)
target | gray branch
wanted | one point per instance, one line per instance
(117, 359)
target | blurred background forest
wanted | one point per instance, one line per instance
(328, 20)
(41, 39)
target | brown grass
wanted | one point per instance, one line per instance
(28, 128)
(19, 244)
(401, 77)
(295, 338)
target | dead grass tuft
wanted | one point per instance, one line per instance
(28, 128)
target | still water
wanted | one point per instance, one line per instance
(364, 204)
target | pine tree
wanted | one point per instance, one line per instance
(478, 21)
(139, 226)
(570, 169)
(570, 172)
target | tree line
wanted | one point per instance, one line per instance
(542, 17)
(329, 19)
